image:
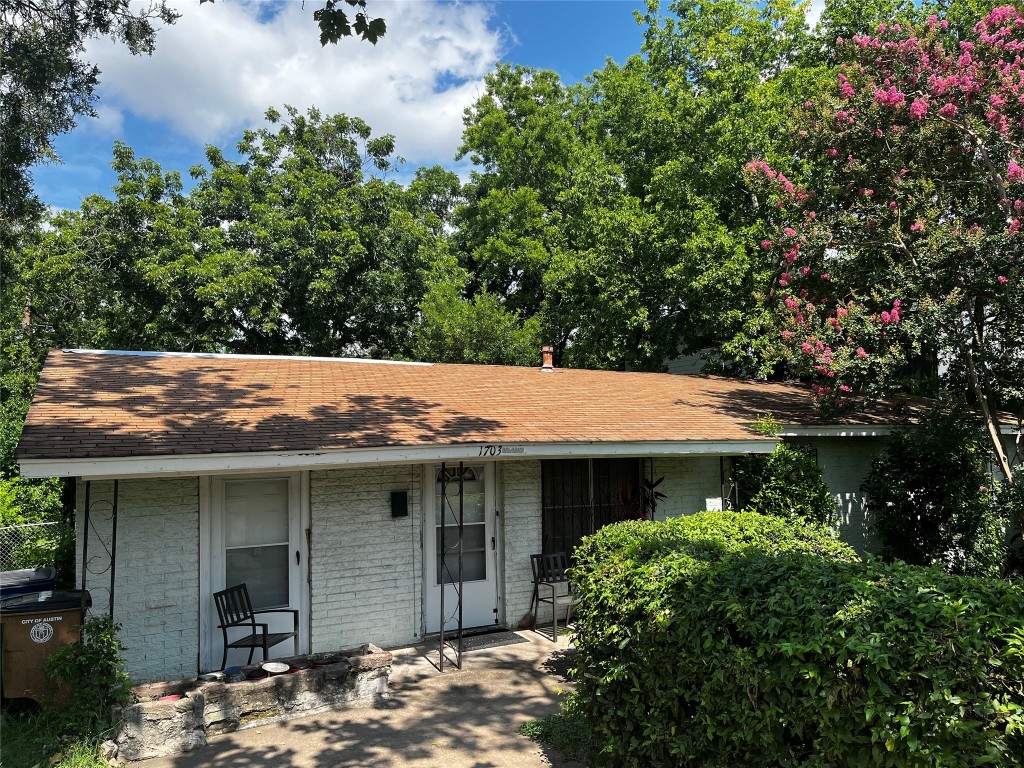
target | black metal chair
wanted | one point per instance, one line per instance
(550, 571)
(235, 610)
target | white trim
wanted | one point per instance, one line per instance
(220, 463)
(835, 431)
(478, 596)
(211, 551)
(222, 356)
(873, 430)
(305, 546)
(206, 537)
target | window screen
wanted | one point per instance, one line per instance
(582, 495)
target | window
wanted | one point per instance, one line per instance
(474, 529)
(256, 539)
(581, 495)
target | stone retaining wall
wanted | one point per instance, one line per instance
(154, 728)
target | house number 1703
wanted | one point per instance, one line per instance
(499, 450)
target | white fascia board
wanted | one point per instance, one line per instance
(877, 430)
(852, 430)
(221, 463)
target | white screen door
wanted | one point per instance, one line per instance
(479, 595)
(257, 538)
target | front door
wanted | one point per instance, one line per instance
(256, 538)
(479, 580)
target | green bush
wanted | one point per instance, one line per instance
(94, 679)
(566, 732)
(786, 483)
(729, 639)
(930, 497)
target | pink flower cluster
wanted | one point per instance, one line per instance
(892, 316)
(786, 187)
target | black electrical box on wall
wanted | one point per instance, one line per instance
(399, 503)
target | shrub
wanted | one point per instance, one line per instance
(94, 679)
(930, 498)
(785, 483)
(735, 639)
(566, 732)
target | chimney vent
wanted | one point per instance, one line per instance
(547, 354)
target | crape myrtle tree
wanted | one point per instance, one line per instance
(908, 240)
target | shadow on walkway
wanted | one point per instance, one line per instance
(467, 718)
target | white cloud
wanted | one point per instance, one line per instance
(222, 65)
(814, 10)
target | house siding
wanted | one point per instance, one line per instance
(366, 566)
(520, 514)
(845, 464)
(692, 484)
(156, 584)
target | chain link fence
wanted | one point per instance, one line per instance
(24, 546)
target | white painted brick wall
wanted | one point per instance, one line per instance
(156, 585)
(521, 513)
(366, 565)
(845, 463)
(692, 484)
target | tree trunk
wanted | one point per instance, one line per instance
(991, 424)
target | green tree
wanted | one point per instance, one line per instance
(48, 84)
(785, 483)
(348, 250)
(910, 238)
(931, 500)
(452, 328)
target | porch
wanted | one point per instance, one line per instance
(461, 719)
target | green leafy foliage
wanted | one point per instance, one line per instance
(67, 731)
(787, 483)
(930, 497)
(729, 639)
(93, 680)
(48, 83)
(565, 732)
(454, 329)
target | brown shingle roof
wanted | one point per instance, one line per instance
(90, 405)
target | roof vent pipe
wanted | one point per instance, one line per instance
(547, 354)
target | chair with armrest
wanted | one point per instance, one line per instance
(235, 611)
(549, 571)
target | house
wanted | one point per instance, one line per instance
(322, 483)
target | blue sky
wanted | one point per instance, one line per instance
(217, 70)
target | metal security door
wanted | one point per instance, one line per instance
(478, 600)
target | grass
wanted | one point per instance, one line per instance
(31, 739)
(566, 733)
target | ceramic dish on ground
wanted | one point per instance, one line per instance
(211, 677)
(274, 667)
(299, 665)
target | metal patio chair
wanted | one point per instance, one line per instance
(235, 610)
(550, 571)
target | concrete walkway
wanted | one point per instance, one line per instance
(465, 718)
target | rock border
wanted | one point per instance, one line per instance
(153, 728)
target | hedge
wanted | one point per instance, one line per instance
(727, 639)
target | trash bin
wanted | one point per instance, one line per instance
(26, 580)
(33, 626)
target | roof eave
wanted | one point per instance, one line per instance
(858, 430)
(236, 463)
